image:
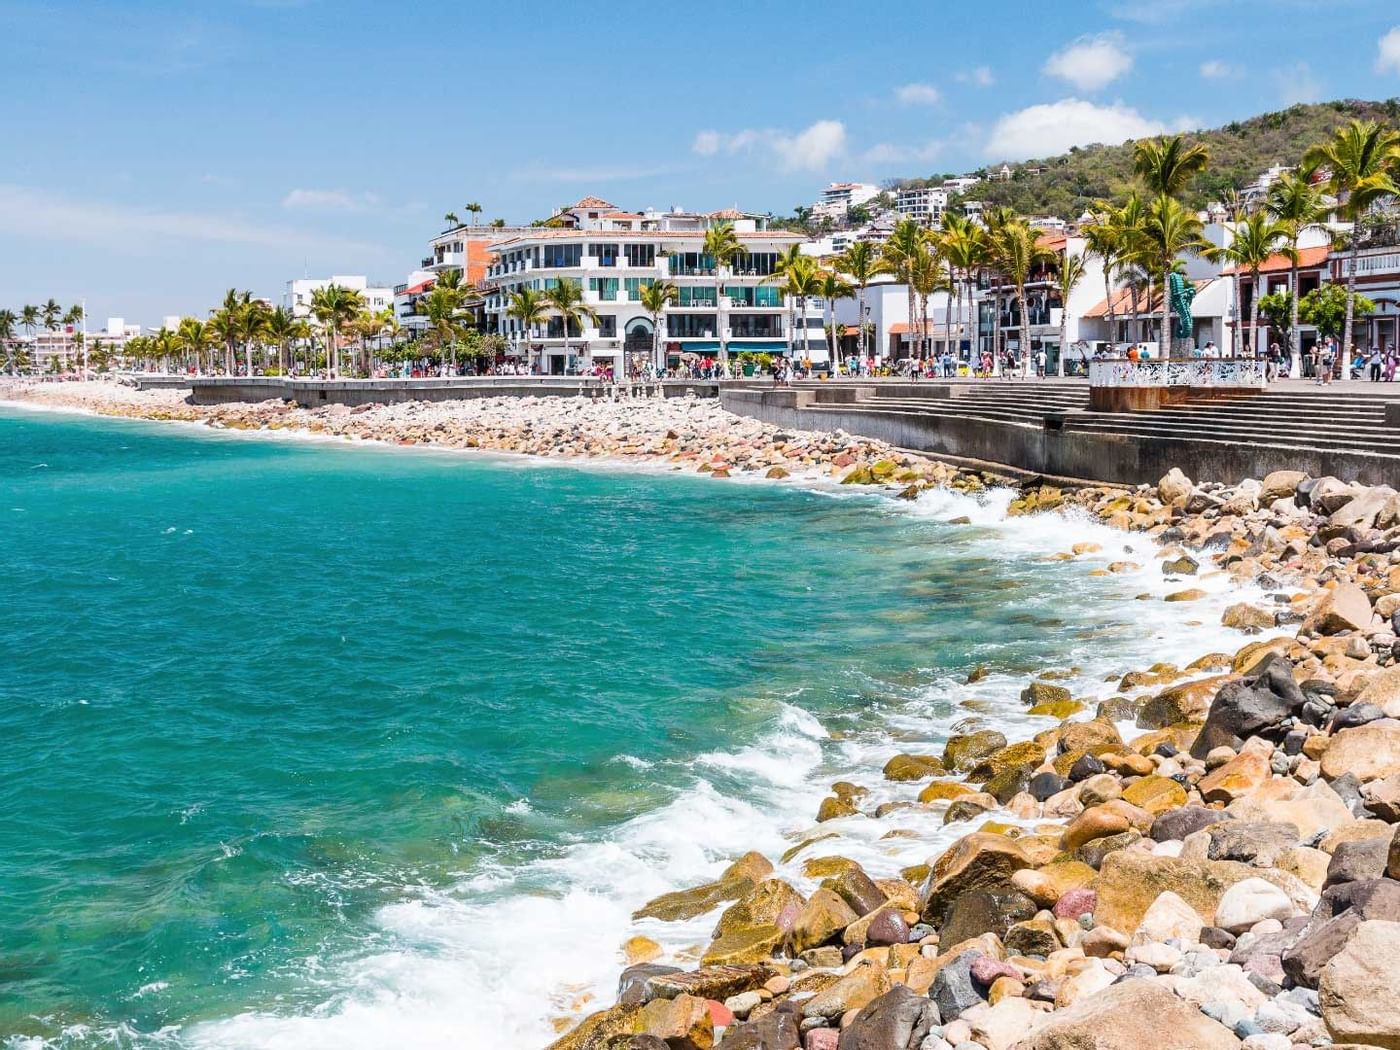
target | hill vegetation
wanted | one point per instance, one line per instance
(1239, 152)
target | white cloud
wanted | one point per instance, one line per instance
(26, 212)
(917, 94)
(329, 200)
(981, 77)
(1297, 83)
(883, 153)
(1215, 69)
(1388, 53)
(1053, 127)
(810, 149)
(1091, 62)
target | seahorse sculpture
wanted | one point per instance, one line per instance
(1182, 292)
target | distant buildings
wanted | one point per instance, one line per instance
(299, 292)
(924, 204)
(840, 197)
(614, 254)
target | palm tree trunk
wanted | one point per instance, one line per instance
(1239, 321)
(1166, 311)
(1064, 335)
(1295, 342)
(860, 321)
(1254, 313)
(807, 333)
(1025, 328)
(913, 314)
(719, 321)
(1108, 298)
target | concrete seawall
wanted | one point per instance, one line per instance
(1053, 447)
(220, 390)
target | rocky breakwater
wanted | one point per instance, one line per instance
(1208, 859)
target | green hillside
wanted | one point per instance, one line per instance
(1238, 153)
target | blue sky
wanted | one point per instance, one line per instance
(156, 153)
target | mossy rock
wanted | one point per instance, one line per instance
(1191, 594)
(795, 850)
(1007, 784)
(913, 767)
(964, 751)
(883, 469)
(834, 808)
(1095, 736)
(825, 867)
(1026, 754)
(1118, 709)
(943, 790)
(764, 905)
(1154, 793)
(1044, 693)
(687, 904)
(751, 944)
(1060, 709)
(859, 476)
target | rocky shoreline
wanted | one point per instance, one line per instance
(1209, 858)
(1226, 873)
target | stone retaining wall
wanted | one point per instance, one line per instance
(310, 393)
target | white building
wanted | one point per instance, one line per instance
(299, 292)
(613, 255)
(961, 184)
(925, 204)
(840, 197)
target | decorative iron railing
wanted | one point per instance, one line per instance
(1216, 372)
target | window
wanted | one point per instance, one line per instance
(757, 264)
(695, 297)
(560, 255)
(760, 326)
(606, 287)
(634, 286)
(606, 254)
(607, 327)
(691, 326)
(641, 255)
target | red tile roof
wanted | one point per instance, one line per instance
(594, 202)
(420, 287)
(1123, 303)
(1308, 259)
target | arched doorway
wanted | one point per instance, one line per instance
(638, 343)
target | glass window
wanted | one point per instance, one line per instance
(759, 326)
(606, 254)
(691, 326)
(607, 327)
(641, 255)
(559, 255)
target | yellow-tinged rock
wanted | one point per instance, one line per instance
(826, 867)
(1191, 594)
(1058, 708)
(1156, 794)
(941, 790)
(1237, 778)
(751, 944)
(640, 950)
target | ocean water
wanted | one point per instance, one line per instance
(317, 745)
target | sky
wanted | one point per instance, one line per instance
(153, 154)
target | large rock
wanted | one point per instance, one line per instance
(1250, 901)
(1005, 1023)
(821, 919)
(1361, 511)
(751, 944)
(1370, 752)
(1168, 917)
(857, 889)
(1237, 778)
(851, 992)
(778, 1030)
(1096, 736)
(1251, 706)
(963, 752)
(687, 904)
(708, 982)
(897, 1020)
(953, 990)
(1121, 1018)
(1129, 881)
(599, 1031)
(913, 767)
(1344, 609)
(1342, 910)
(771, 903)
(976, 861)
(1155, 794)
(1175, 487)
(1257, 842)
(1383, 690)
(1026, 754)
(981, 911)
(1358, 988)
(1280, 484)
(1187, 702)
(684, 1022)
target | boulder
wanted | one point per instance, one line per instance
(1093, 823)
(953, 990)
(750, 944)
(599, 1031)
(687, 904)
(772, 902)
(1178, 823)
(1130, 880)
(833, 808)
(980, 911)
(1168, 917)
(1187, 702)
(1383, 690)
(850, 992)
(708, 982)
(857, 889)
(1237, 778)
(964, 751)
(976, 861)
(753, 866)
(821, 919)
(1346, 608)
(1357, 990)
(1044, 693)
(683, 1022)
(1250, 901)
(1253, 705)
(1155, 794)
(913, 767)
(1096, 737)
(1245, 617)
(1370, 751)
(1006, 1023)
(1175, 487)
(1119, 1017)
(778, 1030)
(1260, 842)
(1279, 484)
(1357, 861)
(1361, 511)
(1032, 937)
(897, 1020)
(1024, 755)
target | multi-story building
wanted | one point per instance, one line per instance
(961, 184)
(300, 290)
(1377, 278)
(925, 204)
(840, 197)
(613, 255)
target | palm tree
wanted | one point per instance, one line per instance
(1071, 273)
(1363, 164)
(51, 312)
(166, 346)
(442, 306)
(902, 251)
(195, 338)
(1171, 230)
(566, 299)
(252, 328)
(926, 277)
(281, 328)
(29, 317)
(862, 263)
(802, 279)
(833, 288)
(8, 320)
(782, 265)
(1256, 238)
(452, 221)
(475, 209)
(654, 297)
(527, 307)
(722, 246)
(224, 326)
(1297, 206)
(333, 306)
(1018, 251)
(1167, 165)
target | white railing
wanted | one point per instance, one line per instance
(1216, 372)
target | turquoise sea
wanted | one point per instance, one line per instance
(316, 745)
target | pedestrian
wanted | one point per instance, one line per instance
(1376, 361)
(1040, 363)
(1325, 364)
